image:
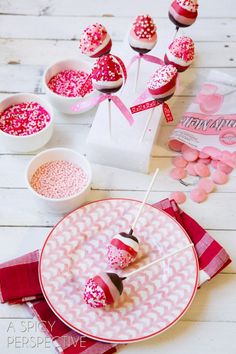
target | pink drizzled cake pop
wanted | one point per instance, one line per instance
(163, 83)
(122, 250)
(106, 288)
(103, 289)
(124, 247)
(95, 41)
(180, 53)
(143, 36)
(107, 75)
(183, 13)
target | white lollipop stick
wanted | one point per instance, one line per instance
(147, 124)
(137, 73)
(159, 260)
(144, 200)
(109, 116)
(177, 29)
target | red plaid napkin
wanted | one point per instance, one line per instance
(19, 283)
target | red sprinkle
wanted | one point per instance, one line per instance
(69, 82)
(59, 179)
(144, 27)
(24, 119)
(107, 68)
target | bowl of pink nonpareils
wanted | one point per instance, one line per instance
(26, 122)
(63, 82)
(59, 178)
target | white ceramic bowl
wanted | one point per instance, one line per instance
(63, 103)
(29, 142)
(62, 205)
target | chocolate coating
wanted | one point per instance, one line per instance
(117, 281)
(176, 23)
(124, 234)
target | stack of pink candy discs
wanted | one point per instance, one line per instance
(211, 166)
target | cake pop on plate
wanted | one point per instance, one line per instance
(106, 288)
(95, 41)
(180, 53)
(124, 247)
(183, 13)
(142, 38)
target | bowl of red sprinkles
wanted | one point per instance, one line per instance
(63, 82)
(26, 122)
(59, 178)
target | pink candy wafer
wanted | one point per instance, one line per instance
(179, 161)
(201, 169)
(191, 169)
(190, 154)
(198, 195)
(179, 197)
(220, 177)
(178, 173)
(224, 167)
(206, 184)
(175, 145)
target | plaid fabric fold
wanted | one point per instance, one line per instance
(19, 283)
(212, 257)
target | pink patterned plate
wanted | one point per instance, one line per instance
(153, 299)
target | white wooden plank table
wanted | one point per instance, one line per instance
(32, 34)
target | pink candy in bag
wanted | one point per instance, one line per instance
(209, 125)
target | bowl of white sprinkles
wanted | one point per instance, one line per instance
(59, 178)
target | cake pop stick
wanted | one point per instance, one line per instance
(147, 124)
(105, 288)
(137, 72)
(109, 115)
(123, 248)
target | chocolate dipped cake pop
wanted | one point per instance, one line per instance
(106, 288)
(180, 53)
(107, 76)
(143, 36)
(95, 41)
(163, 83)
(183, 13)
(122, 250)
(103, 289)
(124, 247)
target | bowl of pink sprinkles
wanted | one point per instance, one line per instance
(59, 178)
(63, 81)
(26, 122)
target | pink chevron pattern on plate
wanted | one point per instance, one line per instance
(152, 300)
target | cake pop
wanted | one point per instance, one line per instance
(163, 83)
(183, 13)
(107, 76)
(95, 41)
(106, 288)
(143, 36)
(180, 53)
(124, 247)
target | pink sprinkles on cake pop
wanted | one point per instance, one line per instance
(24, 119)
(183, 48)
(92, 37)
(59, 179)
(94, 294)
(162, 76)
(190, 5)
(107, 69)
(69, 82)
(144, 27)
